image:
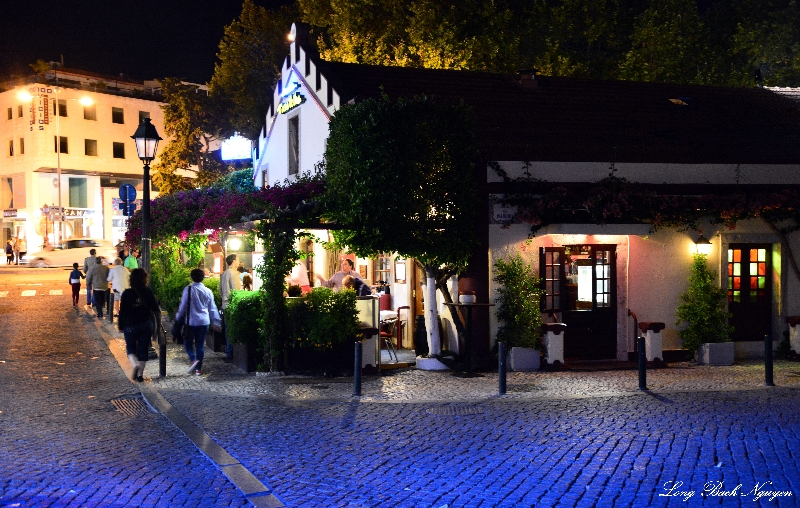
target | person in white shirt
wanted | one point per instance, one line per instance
(228, 281)
(199, 311)
(119, 277)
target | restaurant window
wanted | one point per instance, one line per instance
(294, 145)
(91, 147)
(90, 112)
(382, 270)
(117, 115)
(60, 144)
(77, 193)
(119, 150)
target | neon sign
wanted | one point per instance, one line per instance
(291, 102)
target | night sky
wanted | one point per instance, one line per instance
(144, 39)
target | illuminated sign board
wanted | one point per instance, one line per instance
(291, 102)
(235, 148)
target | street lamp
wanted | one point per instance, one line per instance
(146, 138)
(703, 246)
(84, 101)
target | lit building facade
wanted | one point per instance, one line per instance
(79, 125)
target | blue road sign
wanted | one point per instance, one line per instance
(127, 192)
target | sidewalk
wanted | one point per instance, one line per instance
(412, 385)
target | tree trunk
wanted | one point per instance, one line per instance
(441, 284)
(432, 313)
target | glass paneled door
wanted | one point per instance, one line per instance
(580, 289)
(750, 290)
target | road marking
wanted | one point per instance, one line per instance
(82, 292)
(29, 292)
(56, 292)
(3, 294)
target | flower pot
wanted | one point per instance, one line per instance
(715, 353)
(524, 359)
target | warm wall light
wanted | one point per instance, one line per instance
(703, 246)
(24, 96)
(86, 101)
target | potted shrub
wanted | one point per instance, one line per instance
(242, 321)
(322, 327)
(518, 310)
(704, 309)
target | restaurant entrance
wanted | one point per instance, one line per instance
(580, 290)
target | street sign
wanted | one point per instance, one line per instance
(127, 192)
(128, 195)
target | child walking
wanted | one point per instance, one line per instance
(75, 277)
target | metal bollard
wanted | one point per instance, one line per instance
(642, 363)
(110, 305)
(357, 370)
(768, 361)
(162, 360)
(501, 366)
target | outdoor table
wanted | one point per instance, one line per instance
(468, 307)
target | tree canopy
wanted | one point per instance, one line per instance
(720, 42)
(250, 57)
(401, 178)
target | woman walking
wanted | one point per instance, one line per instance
(138, 312)
(199, 310)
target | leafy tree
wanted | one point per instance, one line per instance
(668, 44)
(401, 178)
(250, 56)
(438, 34)
(191, 120)
(580, 38)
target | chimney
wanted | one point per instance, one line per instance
(527, 78)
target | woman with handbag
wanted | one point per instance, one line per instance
(137, 307)
(197, 311)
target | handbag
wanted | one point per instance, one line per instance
(180, 328)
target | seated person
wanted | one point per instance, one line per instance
(357, 285)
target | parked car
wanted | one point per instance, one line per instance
(74, 250)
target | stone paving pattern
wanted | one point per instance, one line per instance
(414, 439)
(63, 443)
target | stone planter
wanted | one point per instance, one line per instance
(245, 356)
(554, 343)
(718, 353)
(524, 359)
(652, 340)
(215, 341)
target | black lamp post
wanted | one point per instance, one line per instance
(146, 138)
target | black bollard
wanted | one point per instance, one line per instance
(110, 305)
(162, 359)
(357, 371)
(768, 361)
(501, 366)
(642, 363)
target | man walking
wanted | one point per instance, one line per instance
(130, 261)
(228, 281)
(87, 264)
(97, 279)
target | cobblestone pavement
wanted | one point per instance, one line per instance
(63, 442)
(428, 439)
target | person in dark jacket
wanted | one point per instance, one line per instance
(358, 285)
(138, 311)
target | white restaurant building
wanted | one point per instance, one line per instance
(676, 140)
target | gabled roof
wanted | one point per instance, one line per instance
(564, 119)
